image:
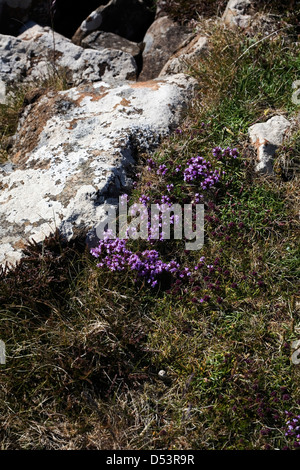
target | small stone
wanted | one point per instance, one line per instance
(296, 354)
(236, 15)
(266, 137)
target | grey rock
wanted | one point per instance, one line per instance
(161, 40)
(102, 40)
(296, 354)
(266, 137)
(185, 55)
(39, 52)
(13, 59)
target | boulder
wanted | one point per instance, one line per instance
(185, 55)
(75, 150)
(237, 14)
(266, 137)
(39, 52)
(161, 40)
(127, 18)
(100, 40)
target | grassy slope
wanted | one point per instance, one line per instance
(85, 345)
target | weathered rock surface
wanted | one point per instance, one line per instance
(14, 61)
(161, 40)
(38, 52)
(237, 14)
(100, 40)
(127, 18)
(75, 149)
(185, 55)
(266, 137)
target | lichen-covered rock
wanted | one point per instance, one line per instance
(266, 137)
(236, 13)
(127, 18)
(75, 149)
(47, 49)
(185, 55)
(39, 52)
(161, 40)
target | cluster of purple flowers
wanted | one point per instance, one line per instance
(220, 153)
(144, 199)
(198, 168)
(162, 169)
(198, 198)
(117, 257)
(293, 428)
(151, 164)
(165, 200)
